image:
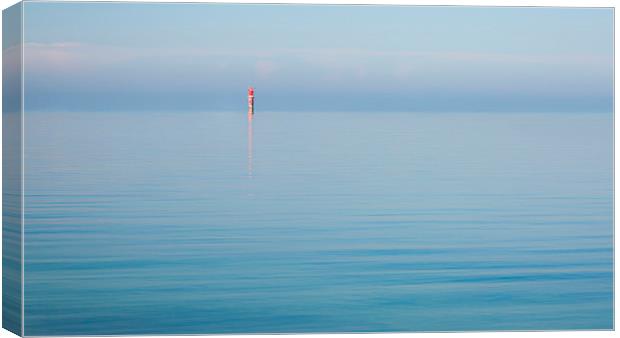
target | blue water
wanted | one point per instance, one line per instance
(317, 222)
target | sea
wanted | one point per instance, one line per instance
(301, 222)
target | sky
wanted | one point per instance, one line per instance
(202, 57)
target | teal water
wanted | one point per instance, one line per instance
(317, 222)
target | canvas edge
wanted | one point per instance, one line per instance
(12, 169)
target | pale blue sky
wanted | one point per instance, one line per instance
(140, 56)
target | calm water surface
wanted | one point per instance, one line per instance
(307, 222)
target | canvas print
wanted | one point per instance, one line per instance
(211, 168)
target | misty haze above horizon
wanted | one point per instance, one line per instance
(155, 56)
